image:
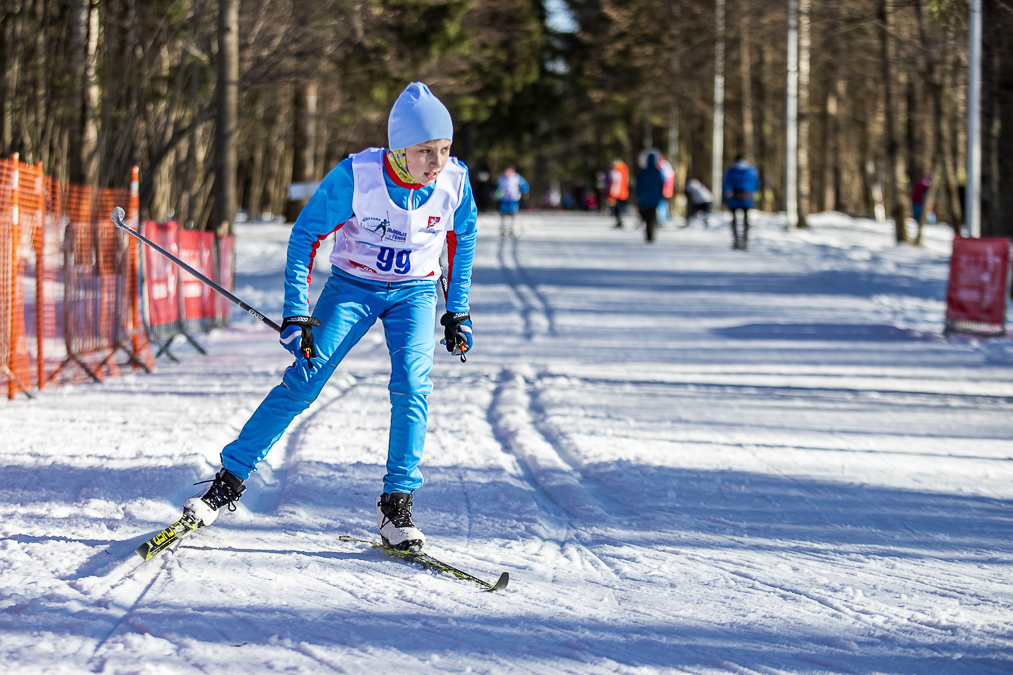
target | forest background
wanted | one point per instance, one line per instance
(224, 103)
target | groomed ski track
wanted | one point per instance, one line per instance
(689, 459)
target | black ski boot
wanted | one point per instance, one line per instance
(394, 518)
(225, 488)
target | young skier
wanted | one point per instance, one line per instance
(391, 210)
(510, 188)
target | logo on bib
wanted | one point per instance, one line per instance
(433, 222)
(376, 226)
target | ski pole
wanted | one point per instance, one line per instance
(463, 346)
(117, 218)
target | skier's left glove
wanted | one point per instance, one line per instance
(457, 333)
(297, 336)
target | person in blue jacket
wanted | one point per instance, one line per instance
(509, 190)
(391, 211)
(739, 187)
(649, 189)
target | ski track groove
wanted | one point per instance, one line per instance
(508, 439)
(842, 608)
(437, 431)
(560, 444)
(876, 396)
(129, 610)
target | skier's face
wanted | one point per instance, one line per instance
(426, 160)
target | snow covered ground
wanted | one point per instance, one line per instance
(689, 459)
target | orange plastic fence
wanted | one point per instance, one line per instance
(68, 281)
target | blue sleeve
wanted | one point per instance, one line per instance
(329, 208)
(754, 180)
(466, 234)
(524, 185)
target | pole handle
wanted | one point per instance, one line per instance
(446, 293)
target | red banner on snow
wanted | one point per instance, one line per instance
(197, 249)
(979, 286)
(161, 277)
(174, 295)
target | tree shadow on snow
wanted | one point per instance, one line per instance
(821, 282)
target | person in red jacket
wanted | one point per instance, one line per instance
(619, 189)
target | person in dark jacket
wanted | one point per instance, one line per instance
(650, 186)
(739, 186)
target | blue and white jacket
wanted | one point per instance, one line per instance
(331, 207)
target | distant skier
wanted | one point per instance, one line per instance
(698, 200)
(619, 189)
(650, 190)
(918, 192)
(383, 267)
(667, 190)
(510, 189)
(739, 186)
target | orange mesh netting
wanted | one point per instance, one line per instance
(68, 282)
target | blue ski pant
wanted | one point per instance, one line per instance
(347, 308)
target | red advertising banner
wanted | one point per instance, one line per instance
(161, 278)
(979, 286)
(197, 249)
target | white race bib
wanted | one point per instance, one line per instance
(385, 242)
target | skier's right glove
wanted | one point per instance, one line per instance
(457, 333)
(297, 336)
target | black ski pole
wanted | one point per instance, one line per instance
(463, 346)
(117, 217)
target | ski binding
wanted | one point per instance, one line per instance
(167, 537)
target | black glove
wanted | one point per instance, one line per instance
(457, 333)
(297, 336)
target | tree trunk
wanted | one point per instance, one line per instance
(92, 97)
(194, 158)
(954, 214)
(992, 39)
(894, 170)
(44, 117)
(304, 141)
(804, 46)
(12, 66)
(160, 206)
(224, 216)
(673, 105)
(255, 196)
(831, 160)
(718, 139)
(745, 73)
(762, 154)
(1002, 215)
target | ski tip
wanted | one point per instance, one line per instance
(501, 583)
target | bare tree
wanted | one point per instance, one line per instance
(228, 105)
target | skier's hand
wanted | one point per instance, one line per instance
(297, 336)
(457, 333)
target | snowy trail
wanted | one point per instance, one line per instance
(690, 460)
